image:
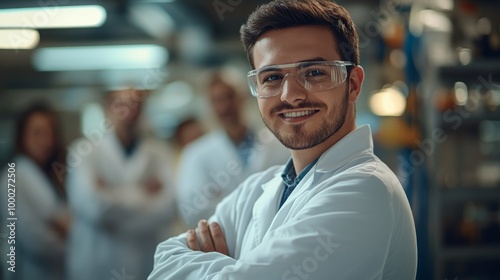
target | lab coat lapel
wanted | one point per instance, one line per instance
(123, 169)
(285, 211)
(112, 154)
(356, 142)
(335, 157)
(266, 206)
(136, 165)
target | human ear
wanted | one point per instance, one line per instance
(355, 82)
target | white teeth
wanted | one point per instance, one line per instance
(297, 114)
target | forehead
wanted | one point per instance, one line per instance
(294, 44)
(38, 119)
(221, 89)
(121, 94)
(126, 95)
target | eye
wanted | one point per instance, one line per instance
(271, 78)
(315, 72)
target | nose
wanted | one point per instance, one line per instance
(291, 90)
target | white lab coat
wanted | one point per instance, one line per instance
(39, 248)
(347, 219)
(115, 228)
(210, 169)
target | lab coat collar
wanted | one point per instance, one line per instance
(267, 204)
(336, 156)
(343, 151)
(275, 180)
(349, 147)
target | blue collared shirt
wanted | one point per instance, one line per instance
(245, 147)
(291, 179)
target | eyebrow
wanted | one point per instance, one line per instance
(268, 69)
(305, 64)
(318, 58)
(272, 68)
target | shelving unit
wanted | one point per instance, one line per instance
(463, 208)
(461, 194)
(453, 183)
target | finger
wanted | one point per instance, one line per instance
(205, 237)
(192, 240)
(218, 238)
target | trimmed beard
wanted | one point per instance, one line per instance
(299, 140)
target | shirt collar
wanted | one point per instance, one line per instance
(357, 141)
(289, 176)
(245, 147)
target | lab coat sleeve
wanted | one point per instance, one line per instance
(39, 238)
(36, 209)
(158, 210)
(83, 196)
(174, 260)
(194, 189)
(90, 203)
(132, 210)
(342, 232)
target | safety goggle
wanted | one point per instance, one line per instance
(314, 76)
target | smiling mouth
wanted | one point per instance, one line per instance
(297, 114)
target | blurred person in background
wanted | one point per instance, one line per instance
(120, 194)
(187, 131)
(43, 219)
(212, 166)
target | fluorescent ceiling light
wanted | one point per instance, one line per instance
(159, 1)
(100, 58)
(53, 17)
(18, 38)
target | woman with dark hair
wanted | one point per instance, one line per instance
(42, 218)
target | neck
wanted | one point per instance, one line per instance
(126, 135)
(302, 158)
(236, 132)
(38, 161)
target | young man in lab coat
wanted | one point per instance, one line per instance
(120, 194)
(334, 211)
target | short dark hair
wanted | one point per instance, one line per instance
(282, 14)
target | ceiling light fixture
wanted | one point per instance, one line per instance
(18, 39)
(100, 58)
(53, 17)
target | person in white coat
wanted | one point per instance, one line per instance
(39, 204)
(334, 211)
(212, 166)
(121, 195)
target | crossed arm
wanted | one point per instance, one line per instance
(352, 244)
(211, 238)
